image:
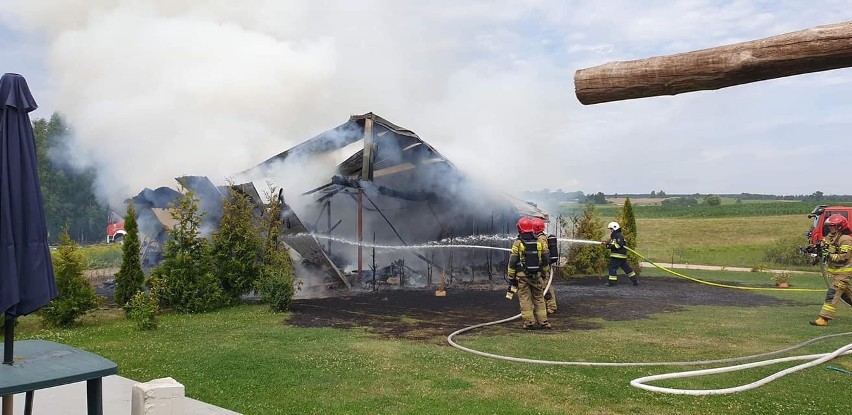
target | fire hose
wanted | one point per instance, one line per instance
(814, 359)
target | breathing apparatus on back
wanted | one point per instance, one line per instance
(552, 247)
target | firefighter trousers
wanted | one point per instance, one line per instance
(839, 288)
(531, 297)
(615, 264)
(550, 299)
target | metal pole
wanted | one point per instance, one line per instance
(8, 356)
(360, 234)
(9, 339)
(328, 219)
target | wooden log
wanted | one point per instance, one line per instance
(817, 49)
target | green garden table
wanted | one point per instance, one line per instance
(40, 364)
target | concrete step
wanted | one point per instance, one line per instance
(71, 400)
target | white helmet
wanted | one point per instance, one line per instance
(613, 225)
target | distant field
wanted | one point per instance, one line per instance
(728, 235)
(732, 241)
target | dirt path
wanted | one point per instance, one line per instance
(420, 315)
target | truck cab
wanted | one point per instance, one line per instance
(115, 228)
(819, 215)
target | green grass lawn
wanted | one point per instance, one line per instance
(249, 360)
(726, 241)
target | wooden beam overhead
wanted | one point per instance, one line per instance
(816, 49)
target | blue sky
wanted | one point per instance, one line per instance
(213, 86)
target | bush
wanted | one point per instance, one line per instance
(275, 283)
(680, 201)
(142, 309)
(713, 200)
(584, 258)
(185, 280)
(275, 287)
(786, 252)
(75, 295)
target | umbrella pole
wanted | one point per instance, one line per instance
(8, 339)
(8, 356)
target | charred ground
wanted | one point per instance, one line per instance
(420, 315)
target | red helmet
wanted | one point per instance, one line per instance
(525, 225)
(538, 225)
(837, 220)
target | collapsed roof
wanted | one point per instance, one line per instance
(409, 194)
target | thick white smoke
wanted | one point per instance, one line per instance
(156, 90)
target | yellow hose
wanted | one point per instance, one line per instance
(804, 290)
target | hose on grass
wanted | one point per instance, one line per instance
(641, 383)
(803, 290)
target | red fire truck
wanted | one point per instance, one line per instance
(115, 228)
(819, 215)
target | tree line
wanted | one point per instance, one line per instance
(67, 191)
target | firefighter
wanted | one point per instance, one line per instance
(541, 237)
(838, 252)
(617, 255)
(527, 263)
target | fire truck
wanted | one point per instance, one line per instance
(819, 215)
(115, 228)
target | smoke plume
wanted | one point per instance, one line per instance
(157, 90)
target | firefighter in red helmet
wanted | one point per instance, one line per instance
(838, 256)
(550, 294)
(528, 261)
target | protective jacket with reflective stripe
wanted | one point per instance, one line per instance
(839, 252)
(616, 245)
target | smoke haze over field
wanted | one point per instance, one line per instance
(156, 90)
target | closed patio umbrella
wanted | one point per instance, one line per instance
(26, 272)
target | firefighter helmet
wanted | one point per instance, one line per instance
(525, 225)
(613, 226)
(538, 225)
(837, 220)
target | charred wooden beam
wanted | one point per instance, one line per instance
(816, 49)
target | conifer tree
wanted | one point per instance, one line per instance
(627, 220)
(276, 282)
(585, 258)
(185, 280)
(75, 295)
(130, 278)
(237, 247)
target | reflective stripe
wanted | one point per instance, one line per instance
(614, 255)
(613, 277)
(615, 244)
(845, 248)
(839, 270)
(828, 307)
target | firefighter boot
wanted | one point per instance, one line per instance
(820, 322)
(634, 280)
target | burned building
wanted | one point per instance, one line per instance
(371, 181)
(401, 198)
